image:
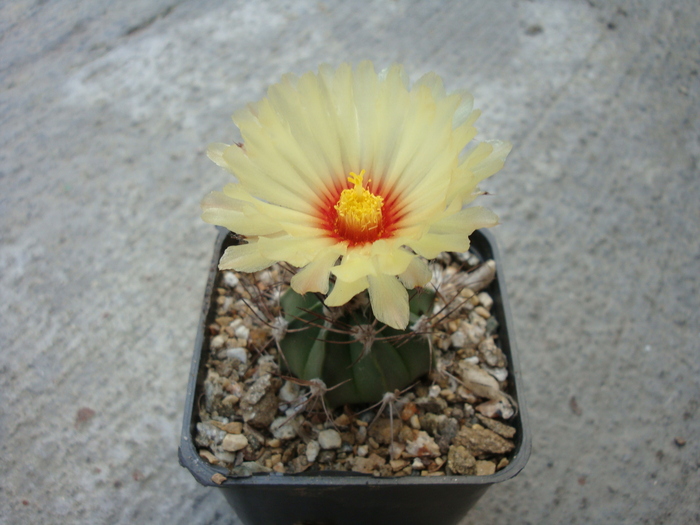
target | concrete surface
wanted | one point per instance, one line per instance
(106, 108)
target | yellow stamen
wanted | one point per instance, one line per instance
(359, 211)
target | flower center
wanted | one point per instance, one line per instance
(359, 212)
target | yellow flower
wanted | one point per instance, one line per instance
(358, 167)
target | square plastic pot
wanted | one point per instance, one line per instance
(342, 498)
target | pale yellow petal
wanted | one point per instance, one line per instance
(215, 152)
(344, 291)
(417, 274)
(466, 221)
(394, 262)
(464, 111)
(296, 251)
(354, 267)
(451, 234)
(339, 86)
(431, 245)
(236, 215)
(494, 162)
(294, 222)
(259, 183)
(389, 300)
(244, 258)
(314, 277)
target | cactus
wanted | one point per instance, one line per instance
(368, 359)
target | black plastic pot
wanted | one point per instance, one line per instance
(347, 498)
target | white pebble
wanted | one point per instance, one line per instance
(312, 450)
(242, 332)
(289, 391)
(329, 439)
(434, 391)
(501, 374)
(458, 339)
(237, 353)
(218, 341)
(362, 450)
(423, 445)
(485, 300)
(230, 279)
(417, 464)
(284, 428)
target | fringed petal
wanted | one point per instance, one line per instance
(466, 221)
(451, 234)
(215, 152)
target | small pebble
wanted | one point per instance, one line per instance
(361, 435)
(289, 392)
(218, 341)
(243, 332)
(460, 461)
(329, 439)
(218, 478)
(417, 464)
(414, 422)
(485, 468)
(208, 456)
(408, 411)
(424, 445)
(367, 465)
(326, 457)
(224, 321)
(284, 428)
(458, 339)
(342, 420)
(398, 464)
(230, 279)
(496, 408)
(312, 451)
(483, 312)
(237, 353)
(362, 450)
(679, 441)
(234, 427)
(234, 442)
(485, 300)
(500, 374)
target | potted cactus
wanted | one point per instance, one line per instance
(349, 184)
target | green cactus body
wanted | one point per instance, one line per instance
(314, 348)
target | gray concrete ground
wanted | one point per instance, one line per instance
(106, 109)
